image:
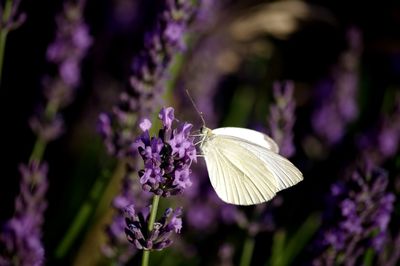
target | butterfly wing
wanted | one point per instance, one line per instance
(286, 174)
(243, 172)
(261, 145)
(236, 173)
(249, 134)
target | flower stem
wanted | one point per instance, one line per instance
(145, 258)
(99, 200)
(247, 251)
(40, 144)
(4, 32)
(153, 214)
(38, 149)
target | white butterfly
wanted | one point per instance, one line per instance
(244, 165)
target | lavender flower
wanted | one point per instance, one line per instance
(148, 79)
(384, 142)
(364, 209)
(167, 158)
(159, 237)
(20, 240)
(66, 53)
(337, 105)
(171, 155)
(282, 117)
(149, 74)
(118, 248)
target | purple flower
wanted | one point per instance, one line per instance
(148, 78)
(167, 116)
(145, 125)
(174, 33)
(363, 209)
(388, 141)
(181, 179)
(167, 158)
(225, 254)
(383, 142)
(69, 72)
(66, 53)
(158, 238)
(336, 97)
(282, 118)
(47, 128)
(20, 239)
(118, 247)
(205, 210)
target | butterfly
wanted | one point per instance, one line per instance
(244, 165)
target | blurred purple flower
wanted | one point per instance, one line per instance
(282, 117)
(66, 53)
(159, 237)
(201, 216)
(362, 213)
(207, 14)
(148, 78)
(174, 33)
(20, 239)
(14, 18)
(383, 142)
(225, 254)
(205, 210)
(337, 97)
(167, 158)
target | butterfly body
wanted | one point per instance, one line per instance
(244, 165)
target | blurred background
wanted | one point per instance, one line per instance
(341, 59)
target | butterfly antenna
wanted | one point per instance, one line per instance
(195, 107)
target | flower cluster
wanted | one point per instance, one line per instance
(148, 78)
(159, 237)
(66, 53)
(147, 83)
(337, 97)
(364, 209)
(167, 158)
(282, 118)
(20, 240)
(117, 246)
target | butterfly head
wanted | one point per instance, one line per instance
(205, 134)
(205, 131)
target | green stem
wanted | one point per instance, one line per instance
(4, 32)
(247, 251)
(153, 214)
(38, 149)
(145, 258)
(40, 144)
(98, 192)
